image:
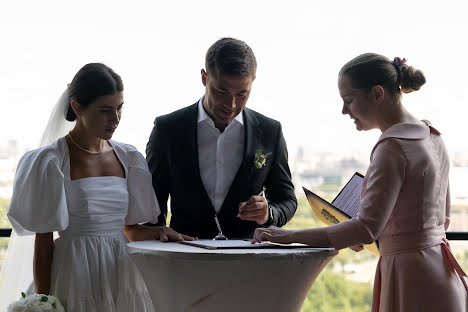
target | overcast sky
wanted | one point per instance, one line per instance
(158, 47)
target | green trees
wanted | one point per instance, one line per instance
(333, 290)
(4, 203)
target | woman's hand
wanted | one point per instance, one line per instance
(137, 232)
(166, 234)
(356, 248)
(317, 237)
(273, 234)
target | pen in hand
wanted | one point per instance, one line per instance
(259, 194)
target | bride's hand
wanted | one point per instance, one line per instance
(137, 232)
(166, 234)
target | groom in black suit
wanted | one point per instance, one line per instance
(215, 157)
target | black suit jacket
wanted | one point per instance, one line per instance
(172, 155)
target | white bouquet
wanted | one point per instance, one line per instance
(36, 303)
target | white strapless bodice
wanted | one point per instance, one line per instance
(97, 206)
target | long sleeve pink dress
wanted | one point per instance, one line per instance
(404, 203)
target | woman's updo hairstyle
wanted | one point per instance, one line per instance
(368, 70)
(90, 82)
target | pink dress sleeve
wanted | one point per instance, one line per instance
(447, 208)
(381, 187)
(447, 202)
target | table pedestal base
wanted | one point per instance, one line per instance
(253, 283)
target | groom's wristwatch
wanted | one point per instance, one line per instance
(270, 217)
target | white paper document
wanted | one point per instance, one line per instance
(238, 244)
(349, 199)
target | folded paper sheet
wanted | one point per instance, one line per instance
(240, 244)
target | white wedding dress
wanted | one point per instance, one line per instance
(91, 269)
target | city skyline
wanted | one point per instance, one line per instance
(307, 169)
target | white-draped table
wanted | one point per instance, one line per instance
(185, 278)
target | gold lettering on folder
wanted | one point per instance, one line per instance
(329, 216)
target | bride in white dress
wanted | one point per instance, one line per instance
(91, 190)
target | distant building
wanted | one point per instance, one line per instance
(459, 187)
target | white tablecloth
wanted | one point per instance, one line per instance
(185, 278)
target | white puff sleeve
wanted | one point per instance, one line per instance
(143, 205)
(38, 203)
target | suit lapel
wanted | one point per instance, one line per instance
(253, 138)
(192, 142)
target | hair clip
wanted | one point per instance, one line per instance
(400, 63)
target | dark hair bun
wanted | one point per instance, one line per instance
(412, 79)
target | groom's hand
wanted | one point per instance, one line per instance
(255, 209)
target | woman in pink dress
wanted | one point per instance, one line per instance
(405, 202)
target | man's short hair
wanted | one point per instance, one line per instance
(230, 56)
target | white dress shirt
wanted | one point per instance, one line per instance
(219, 154)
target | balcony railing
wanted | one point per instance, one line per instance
(5, 232)
(456, 235)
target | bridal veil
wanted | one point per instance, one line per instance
(16, 275)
